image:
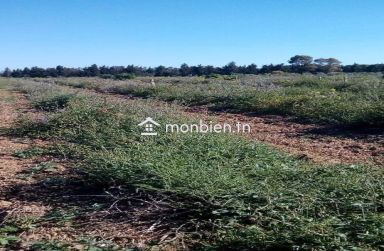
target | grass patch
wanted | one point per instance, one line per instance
(54, 103)
(30, 152)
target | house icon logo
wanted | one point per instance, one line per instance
(149, 125)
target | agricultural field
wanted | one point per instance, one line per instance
(76, 173)
(340, 99)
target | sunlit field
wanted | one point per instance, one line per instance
(200, 191)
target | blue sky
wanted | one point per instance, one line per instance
(159, 32)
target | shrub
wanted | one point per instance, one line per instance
(123, 76)
(54, 103)
(106, 76)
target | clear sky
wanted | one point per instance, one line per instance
(158, 32)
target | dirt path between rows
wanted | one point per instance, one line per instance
(11, 167)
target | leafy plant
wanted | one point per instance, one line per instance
(41, 167)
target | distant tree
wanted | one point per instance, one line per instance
(298, 64)
(353, 68)
(334, 61)
(313, 68)
(300, 60)
(104, 69)
(334, 65)
(375, 68)
(209, 69)
(321, 61)
(60, 70)
(301, 63)
(328, 64)
(114, 70)
(197, 70)
(26, 72)
(251, 69)
(171, 71)
(37, 72)
(150, 71)
(230, 68)
(160, 70)
(51, 72)
(133, 69)
(185, 70)
(93, 70)
(6, 73)
(266, 69)
(17, 73)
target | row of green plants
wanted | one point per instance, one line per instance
(350, 101)
(255, 197)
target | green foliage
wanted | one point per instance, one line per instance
(8, 240)
(56, 102)
(41, 167)
(123, 76)
(213, 76)
(30, 152)
(354, 100)
(257, 198)
(50, 245)
(83, 244)
(59, 216)
(8, 236)
(106, 76)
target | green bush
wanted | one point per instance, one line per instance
(124, 76)
(213, 76)
(106, 76)
(54, 103)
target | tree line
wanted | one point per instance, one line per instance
(297, 64)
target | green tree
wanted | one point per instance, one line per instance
(93, 70)
(230, 68)
(7, 72)
(300, 60)
(185, 70)
(328, 64)
(302, 63)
